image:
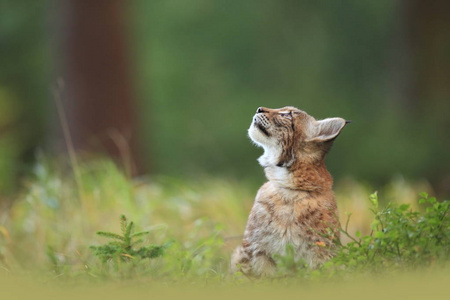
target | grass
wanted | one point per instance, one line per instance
(48, 232)
(51, 225)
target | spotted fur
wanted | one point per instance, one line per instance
(297, 205)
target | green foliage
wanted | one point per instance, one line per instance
(400, 238)
(200, 255)
(200, 57)
(289, 265)
(204, 221)
(123, 246)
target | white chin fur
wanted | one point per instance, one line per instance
(257, 136)
(272, 150)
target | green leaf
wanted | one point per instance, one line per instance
(138, 234)
(404, 207)
(123, 224)
(379, 234)
(374, 199)
(375, 224)
(110, 235)
(423, 195)
(361, 258)
(129, 230)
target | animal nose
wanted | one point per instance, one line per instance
(260, 110)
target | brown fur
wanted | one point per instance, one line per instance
(297, 205)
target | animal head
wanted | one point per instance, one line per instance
(290, 135)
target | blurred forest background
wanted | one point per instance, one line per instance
(170, 86)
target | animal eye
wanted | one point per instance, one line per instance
(287, 115)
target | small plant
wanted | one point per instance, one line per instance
(288, 265)
(400, 238)
(124, 246)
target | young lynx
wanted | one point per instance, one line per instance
(296, 206)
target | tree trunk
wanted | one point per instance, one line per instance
(421, 78)
(98, 93)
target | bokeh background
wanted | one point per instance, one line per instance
(168, 87)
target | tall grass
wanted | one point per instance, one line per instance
(48, 230)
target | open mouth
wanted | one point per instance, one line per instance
(262, 128)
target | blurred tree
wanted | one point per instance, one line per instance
(427, 34)
(98, 94)
(23, 87)
(212, 63)
(422, 80)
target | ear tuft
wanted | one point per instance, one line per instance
(328, 129)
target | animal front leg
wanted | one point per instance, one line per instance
(257, 265)
(262, 265)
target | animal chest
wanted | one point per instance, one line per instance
(283, 226)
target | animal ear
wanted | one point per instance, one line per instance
(328, 129)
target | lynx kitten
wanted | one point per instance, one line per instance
(297, 205)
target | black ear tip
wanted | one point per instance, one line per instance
(348, 121)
